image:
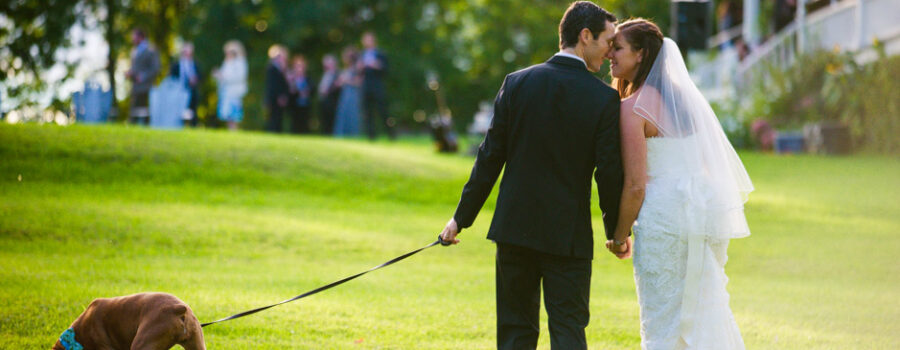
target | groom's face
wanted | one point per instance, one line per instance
(595, 49)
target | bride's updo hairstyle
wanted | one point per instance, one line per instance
(640, 34)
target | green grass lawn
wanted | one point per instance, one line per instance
(231, 221)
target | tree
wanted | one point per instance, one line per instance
(31, 32)
(469, 45)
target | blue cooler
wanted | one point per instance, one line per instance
(789, 142)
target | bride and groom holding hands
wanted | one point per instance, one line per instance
(664, 170)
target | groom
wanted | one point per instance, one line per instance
(554, 125)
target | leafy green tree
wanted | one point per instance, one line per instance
(469, 45)
(31, 32)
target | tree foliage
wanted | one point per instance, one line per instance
(469, 45)
(31, 32)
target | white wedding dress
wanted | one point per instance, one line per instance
(693, 206)
(665, 282)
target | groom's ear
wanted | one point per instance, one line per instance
(585, 36)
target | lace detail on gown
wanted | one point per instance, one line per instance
(661, 264)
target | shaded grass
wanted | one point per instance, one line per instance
(228, 222)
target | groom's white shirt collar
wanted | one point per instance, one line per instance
(566, 54)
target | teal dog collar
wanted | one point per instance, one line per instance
(67, 339)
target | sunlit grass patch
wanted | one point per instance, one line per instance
(232, 221)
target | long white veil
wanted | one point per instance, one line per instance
(669, 99)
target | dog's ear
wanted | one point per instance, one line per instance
(179, 309)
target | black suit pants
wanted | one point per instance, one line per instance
(327, 109)
(375, 102)
(276, 113)
(299, 119)
(566, 285)
(192, 105)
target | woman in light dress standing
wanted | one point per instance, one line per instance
(690, 186)
(232, 78)
(349, 108)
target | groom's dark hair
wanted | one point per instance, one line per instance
(580, 15)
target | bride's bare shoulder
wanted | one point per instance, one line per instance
(627, 105)
(648, 95)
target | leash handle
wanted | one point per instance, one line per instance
(442, 241)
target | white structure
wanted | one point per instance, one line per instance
(848, 25)
(168, 101)
(750, 30)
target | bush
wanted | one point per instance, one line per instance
(864, 97)
(830, 86)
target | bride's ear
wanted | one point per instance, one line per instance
(640, 55)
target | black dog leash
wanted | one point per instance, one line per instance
(330, 285)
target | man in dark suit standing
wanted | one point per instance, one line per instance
(374, 66)
(554, 125)
(186, 71)
(277, 89)
(144, 68)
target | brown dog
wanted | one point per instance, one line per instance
(144, 321)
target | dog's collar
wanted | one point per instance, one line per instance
(67, 339)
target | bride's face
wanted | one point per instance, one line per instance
(623, 59)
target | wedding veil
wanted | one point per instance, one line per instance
(718, 184)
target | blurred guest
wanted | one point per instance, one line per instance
(329, 92)
(785, 11)
(743, 49)
(374, 67)
(144, 68)
(348, 111)
(301, 92)
(277, 87)
(186, 71)
(232, 78)
(728, 15)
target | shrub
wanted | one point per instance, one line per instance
(830, 86)
(865, 98)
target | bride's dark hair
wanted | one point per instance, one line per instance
(640, 34)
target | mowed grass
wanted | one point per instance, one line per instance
(232, 221)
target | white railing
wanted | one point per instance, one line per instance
(779, 51)
(849, 25)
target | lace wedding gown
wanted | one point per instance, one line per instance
(680, 277)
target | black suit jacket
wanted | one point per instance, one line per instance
(276, 85)
(373, 79)
(554, 125)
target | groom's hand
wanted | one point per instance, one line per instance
(621, 251)
(450, 231)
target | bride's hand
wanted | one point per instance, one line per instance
(629, 243)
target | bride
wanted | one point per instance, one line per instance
(687, 187)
